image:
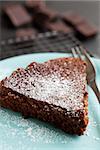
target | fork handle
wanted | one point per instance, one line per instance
(95, 89)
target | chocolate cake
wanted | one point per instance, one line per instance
(54, 91)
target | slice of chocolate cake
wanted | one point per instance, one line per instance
(54, 91)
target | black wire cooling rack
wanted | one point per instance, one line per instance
(43, 42)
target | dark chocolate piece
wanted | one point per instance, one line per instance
(25, 32)
(52, 14)
(72, 18)
(35, 5)
(43, 16)
(86, 30)
(54, 91)
(17, 14)
(58, 26)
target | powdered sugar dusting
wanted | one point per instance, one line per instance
(53, 90)
(55, 87)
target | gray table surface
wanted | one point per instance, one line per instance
(88, 9)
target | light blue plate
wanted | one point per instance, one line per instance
(17, 133)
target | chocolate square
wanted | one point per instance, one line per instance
(25, 32)
(72, 18)
(49, 12)
(35, 5)
(44, 16)
(17, 14)
(86, 30)
(58, 26)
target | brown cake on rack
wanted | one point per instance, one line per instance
(54, 91)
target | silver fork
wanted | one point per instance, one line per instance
(80, 52)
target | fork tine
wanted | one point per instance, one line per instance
(87, 57)
(82, 49)
(74, 52)
(79, 52)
